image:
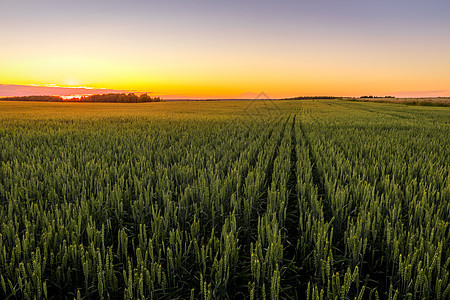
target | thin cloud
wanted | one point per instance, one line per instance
(11, 90)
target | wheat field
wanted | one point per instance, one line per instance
(313, 199)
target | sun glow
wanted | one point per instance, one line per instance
(74, 97)
(72, 82)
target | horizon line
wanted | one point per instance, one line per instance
(24, 90)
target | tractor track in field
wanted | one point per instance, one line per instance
(291, 289)
(241, 288)
(338, 234)
(297, 278)
(269, 174)
(289, 232)
(317, 175)
(386, 112)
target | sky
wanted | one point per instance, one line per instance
(226, 49)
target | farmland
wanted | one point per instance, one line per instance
(323, 199)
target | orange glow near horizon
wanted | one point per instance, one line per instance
(203, 76)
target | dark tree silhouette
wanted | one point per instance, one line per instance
(107, 98)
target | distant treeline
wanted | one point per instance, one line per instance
(434, 101)
(107, 98)
(370, 97)
(312, 98)
(34, 98)
(120, 98)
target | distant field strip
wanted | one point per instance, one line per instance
(311, 199)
